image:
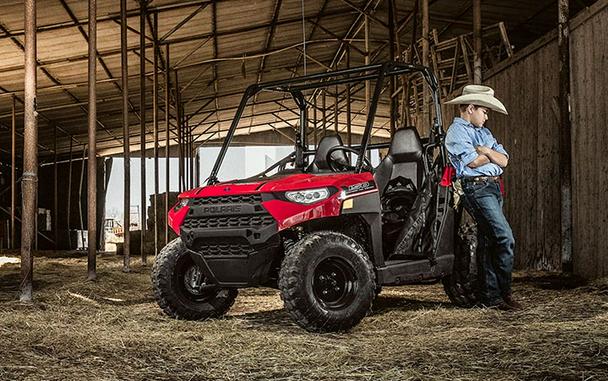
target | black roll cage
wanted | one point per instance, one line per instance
(295, 86)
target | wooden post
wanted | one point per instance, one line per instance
(142, 125)
(29, 180)
(155, 122)
(92, 169)
(565, 135)
(13, 175)
(126, 146)
(167, 147)
(477, 78)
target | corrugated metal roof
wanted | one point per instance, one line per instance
(215, 67)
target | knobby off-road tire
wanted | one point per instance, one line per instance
(179, 298)
(461, 285)
(327, 282)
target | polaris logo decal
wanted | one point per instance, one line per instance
(361, 187)
(221, 209)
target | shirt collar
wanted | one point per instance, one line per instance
(464, 123)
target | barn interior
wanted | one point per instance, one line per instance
(140, 84)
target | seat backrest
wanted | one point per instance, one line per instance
(319, 163)
(404, 159)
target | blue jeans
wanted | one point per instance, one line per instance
(495, 242)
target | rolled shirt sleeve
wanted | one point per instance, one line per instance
(460, 146)
(499, 148)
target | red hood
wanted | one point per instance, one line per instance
(278, 184)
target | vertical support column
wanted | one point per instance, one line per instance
(198, 169)
(142, 124)
(126, 146)
(391, 41)
(565, 134)
(186, 155)
(82, 163)
(13, 175)
(29, 181)
(55, 195)
(336, 120)
(180, 138)
(191, 153)
(69, 207)
(349, 136)
(367, 83)
(155, 117)
(314, 133)
(167, 147)
(426, 122)
(324, 112)
(92, 170)
(477, 41)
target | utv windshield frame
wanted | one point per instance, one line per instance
(295, 86)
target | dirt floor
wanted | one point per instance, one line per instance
(111, 329)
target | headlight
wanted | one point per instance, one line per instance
(181, 203)
(308, 196)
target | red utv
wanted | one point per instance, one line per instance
(321, 225)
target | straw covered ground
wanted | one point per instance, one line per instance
(111, 329)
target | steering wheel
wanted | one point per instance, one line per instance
(337, 165)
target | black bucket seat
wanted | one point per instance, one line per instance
(319, 163)
(404, 159)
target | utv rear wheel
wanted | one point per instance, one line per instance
(461, 285)
(181, 289)
(327, 282)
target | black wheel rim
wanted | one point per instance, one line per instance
(190, 282)
(334, 283)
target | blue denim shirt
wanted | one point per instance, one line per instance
(460, 141)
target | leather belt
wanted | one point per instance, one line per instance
(480, 179)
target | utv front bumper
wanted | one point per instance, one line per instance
(233, 238)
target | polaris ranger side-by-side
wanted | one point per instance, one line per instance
(321, 225)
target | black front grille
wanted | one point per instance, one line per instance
(255, 220)
(225, 249)
(235, 199)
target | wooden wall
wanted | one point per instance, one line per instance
(589, 104)
(530, 135)
(528, 86)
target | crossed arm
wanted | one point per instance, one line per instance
(488, 155)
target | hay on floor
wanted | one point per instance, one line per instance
(111, 329)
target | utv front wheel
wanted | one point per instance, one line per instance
(181, 289)
(327, 282)
(461, 284)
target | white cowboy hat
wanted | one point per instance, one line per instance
(479, 95)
